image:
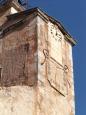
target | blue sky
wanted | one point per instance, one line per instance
(72, 13)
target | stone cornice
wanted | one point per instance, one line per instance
(36, 11)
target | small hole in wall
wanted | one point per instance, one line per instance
(27, 47)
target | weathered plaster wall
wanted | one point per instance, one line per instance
(70, 78)
(55, 75)
(37, 79)
(18, 60)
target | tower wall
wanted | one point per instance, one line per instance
(18, 61)
(55, 71)
(36, 70)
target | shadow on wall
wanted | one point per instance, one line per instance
(16, 69)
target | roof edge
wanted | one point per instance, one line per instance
(46, 18)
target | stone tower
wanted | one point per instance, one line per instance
(36, 67)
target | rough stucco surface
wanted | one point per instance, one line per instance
(18, 60)
(33, 82)
(55, 89)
